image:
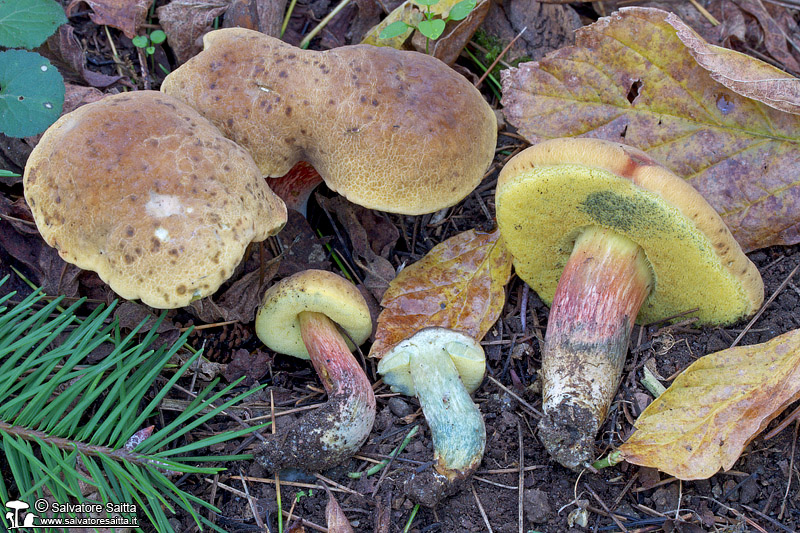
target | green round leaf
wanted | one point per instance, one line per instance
(461, 10)
(393, 30)
(140, 41)
(426, 2)
(27, 23)
(432, 29)
(31, 93)
(150, 50)
(158, 37)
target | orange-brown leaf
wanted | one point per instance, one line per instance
(459, 285)
(629, 78)
(125, 15)
(715, 407)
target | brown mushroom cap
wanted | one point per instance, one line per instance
(549, 193)
(318, 291)
(143, 190)
(392, 130)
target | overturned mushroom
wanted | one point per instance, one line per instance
(605, 235)
(392, 130)
(441, 367)
(143, 190)
(299, 317)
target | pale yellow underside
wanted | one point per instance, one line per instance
(541, 210)
(319, 291)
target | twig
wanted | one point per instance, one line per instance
(481, 509)
(766, 304)
(252, 502)
(521, 475)
(703, 11)
(277, 476)
(794, 415)
(791, 469)
(499, 57)
(324, 22)
(297, 484)
(605, 508)
(516, 397)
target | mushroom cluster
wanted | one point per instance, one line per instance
(606, 237)
(388, 129)
(392, 130)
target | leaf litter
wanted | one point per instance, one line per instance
(513, 337)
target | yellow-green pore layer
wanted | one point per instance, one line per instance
(542, 206)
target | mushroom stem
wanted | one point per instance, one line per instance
(457, 429)
(602, 287)
(328, 435)
(296, 186)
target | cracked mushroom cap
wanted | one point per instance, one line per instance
(465, 352)
(143, 190)
(318, 291)
(388, 129)
(550, 192)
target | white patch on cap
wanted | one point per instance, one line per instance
(163, 205)
(162, 234)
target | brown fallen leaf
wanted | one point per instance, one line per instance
(630, 79)
(716, 407)
(549, 27)
(65, 52)
(740, 72)
(459, 284)
(186, 21)
(265, 16)
(457, 33)
(335, 517)
(125, 15)
(378, 271)
(773, 35)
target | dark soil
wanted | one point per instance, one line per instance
(760, 493)
(756, 495)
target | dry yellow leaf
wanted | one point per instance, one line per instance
(459, 284)
(716, 407)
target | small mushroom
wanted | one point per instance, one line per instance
(605, 235)
(388, 129)
(441, 367)
(299, 317)
(143, 190)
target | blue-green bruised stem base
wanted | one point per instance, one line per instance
(457, 429)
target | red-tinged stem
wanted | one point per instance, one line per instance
(296, 186)
(602, 287)
(329, 435)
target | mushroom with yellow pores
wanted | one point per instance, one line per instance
(146, 192)
(441, 368)
(300, 316)
(606, 237)
(389, 129)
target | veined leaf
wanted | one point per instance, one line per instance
(630, 78)
(27, 23)
(715, 407)
(740, 72)
(459, 285)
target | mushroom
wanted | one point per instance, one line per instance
(441, 367)
(143, 190)
(299, 317)
(392, 130)
(607, 237)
